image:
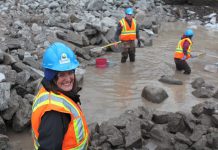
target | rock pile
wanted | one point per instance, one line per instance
(146, 129)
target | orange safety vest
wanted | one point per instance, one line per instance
(76, 137)
(179, 50)
(128, 33)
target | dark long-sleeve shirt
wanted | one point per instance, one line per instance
(52, 129)
(119, 30)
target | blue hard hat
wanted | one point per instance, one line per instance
(189, 32)
(129, 11)
(59, 57)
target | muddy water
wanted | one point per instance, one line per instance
(108, 92)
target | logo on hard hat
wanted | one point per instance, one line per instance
(64, 59)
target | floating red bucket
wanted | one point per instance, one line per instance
(101, 62)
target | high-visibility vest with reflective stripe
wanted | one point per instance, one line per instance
(128, 33)
(179, 50)
(76, 137)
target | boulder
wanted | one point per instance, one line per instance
(154, 94)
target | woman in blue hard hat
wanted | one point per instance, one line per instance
(127, 32)
(183, 52)
(58, 122)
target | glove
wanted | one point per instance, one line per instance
(139, 43)
(184, 57)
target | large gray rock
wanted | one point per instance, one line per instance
(199, 130)
(154, 94)
(200, 144)
(13, 106)
(5, 95)
(198, 109)
(95, 5)
(203, 92)
(22, 117)
(212, 140)
(215, 119)
(71, 37)
(3, 141)
(182, 139)
(134, 137)
(93, 128)
(176, 123)
(216, 94)
(3, 127)
(160, 117)
(197, 83)
(22, 77)
(170, 80)
(115, 137)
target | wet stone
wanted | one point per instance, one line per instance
(209, 108)
(198, 109)
(160, 117)
(154, 94)
(198, 132)
(3, 141)
(215, 119)
(201, 143)
(93, 128)
(205, 120)
(114, 135)
(181, 146)
(203, 92)
(176, 123)
(118, 122)
(170, 80)
(3, 127)
(134, 137)
(181, 138)
(197, 83)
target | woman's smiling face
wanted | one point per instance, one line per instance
(65, 80)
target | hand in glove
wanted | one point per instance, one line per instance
(184, 57)
(139, 43)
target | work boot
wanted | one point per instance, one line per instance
(186, 72)
(124, 58)
(132, 59)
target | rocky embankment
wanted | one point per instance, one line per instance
(27, 27)
(145, 129)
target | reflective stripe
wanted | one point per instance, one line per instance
(82, 146)
(124, 29)
(39, 101)
(123, 24)
(79, 129)
(56, 100)
(36, 143)
(128, 32)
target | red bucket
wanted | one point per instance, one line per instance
(101, 62)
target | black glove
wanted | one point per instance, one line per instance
(139, 43)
